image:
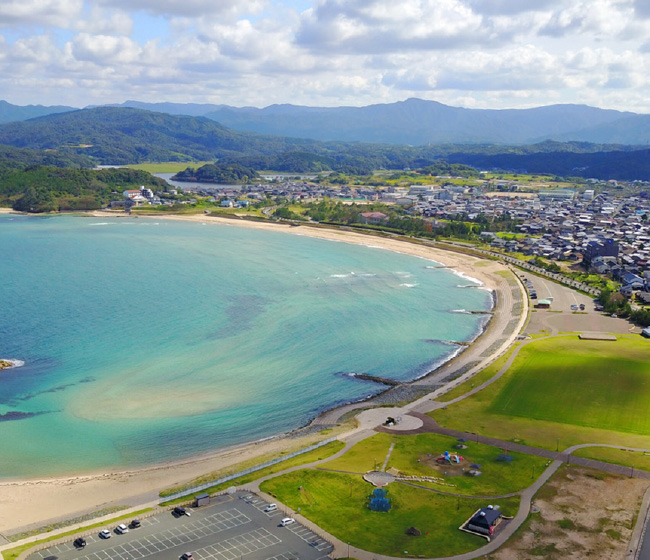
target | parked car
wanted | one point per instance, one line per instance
(121, 529)
(104, 534)
(179, 511)
(135, 524)
(287, 521)
(270, 508)
(186, 556)
(80, 542)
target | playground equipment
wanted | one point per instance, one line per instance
(379, 501)
(449, 459)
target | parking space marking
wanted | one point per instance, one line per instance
(165, 540)
(310, 537)
(239, 546)
(285, 556)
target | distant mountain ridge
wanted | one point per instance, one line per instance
(420, 122)
(121, 135)
(410, 122)
(15, 113)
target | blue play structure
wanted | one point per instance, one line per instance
(379, 501)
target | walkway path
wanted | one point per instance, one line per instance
(390, 451)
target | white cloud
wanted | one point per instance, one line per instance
(510, 7)
(376, 26)
(482, 53)
(101, 21)
(58, 13)
(189, 8)
(105, 50)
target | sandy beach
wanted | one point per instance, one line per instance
(33, 503)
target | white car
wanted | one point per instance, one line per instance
(121, 529)
(287, 521)
(270, 507)
(104, 534)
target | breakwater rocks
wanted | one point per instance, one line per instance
(376, 379)
(8, 364)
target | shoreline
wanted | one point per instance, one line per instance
(64, 497)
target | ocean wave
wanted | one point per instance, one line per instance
(408, 285)
(464, 311)
(349, 275)
(100, 224)
(466, 277)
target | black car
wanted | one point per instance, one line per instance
(180, 511)
(80, 543)
(135, 524)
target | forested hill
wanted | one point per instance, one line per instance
(118, 135)
(19, 158)
(38, 188)
(121, 135)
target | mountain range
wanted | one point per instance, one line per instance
(123, 135)
(410, 122)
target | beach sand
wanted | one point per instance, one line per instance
(33, 503)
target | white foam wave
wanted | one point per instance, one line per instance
(100, 224)
(461, 311)
(349, 275)
(466, 277)
(405, 285)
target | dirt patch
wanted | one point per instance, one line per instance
(583, 513)
(444, 467)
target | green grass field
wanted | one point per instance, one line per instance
(633, 459)
(409, 457)
(564, 391)
(338, 503)
(168, 166)
(584, 383)
(314, 455)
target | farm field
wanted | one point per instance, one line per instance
(338, 503)
(416, 455)
(565, 391)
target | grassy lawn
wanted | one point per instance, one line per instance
(315, 455)
(636, 459)
(476, 380)
(564, 391)
(415, 455)
(585, 383)
(364, 456)
(338, 503)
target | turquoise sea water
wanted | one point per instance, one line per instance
(149, 341)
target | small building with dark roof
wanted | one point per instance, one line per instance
(485, 520)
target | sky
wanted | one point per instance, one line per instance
(490, 54)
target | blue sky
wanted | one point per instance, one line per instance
(471, 53)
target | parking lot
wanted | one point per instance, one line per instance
(232, 526)
(561, 317)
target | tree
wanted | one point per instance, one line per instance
(35, 200)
